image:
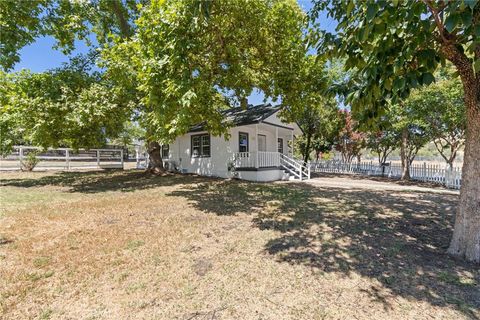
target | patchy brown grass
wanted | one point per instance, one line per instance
(125, 245)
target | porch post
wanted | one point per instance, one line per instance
(277, 157)
(292, 143)
(256, 139)
(276, 137)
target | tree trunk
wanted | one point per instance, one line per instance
(307, 148)
(404, 156)
(466, 235)
(155, 163)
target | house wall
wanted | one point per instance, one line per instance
(222, 151)
(262, 176)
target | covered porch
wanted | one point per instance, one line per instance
(263, 145)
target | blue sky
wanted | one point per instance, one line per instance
(41, 56)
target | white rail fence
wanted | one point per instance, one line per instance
(64, 158)
(451, 178)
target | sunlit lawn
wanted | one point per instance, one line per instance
(120, 245)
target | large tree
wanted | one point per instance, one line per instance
(188, 67)
(396, 46)
(180, 62)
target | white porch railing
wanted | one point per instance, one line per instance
(295, 167)
(260, 159)
(268, 159)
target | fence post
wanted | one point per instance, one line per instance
(98, 158)
(424, 178)
(121, 156)
(309, 165)
(137, 157)
(67, 158)
(20, 153)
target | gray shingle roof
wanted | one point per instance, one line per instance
(239, 117)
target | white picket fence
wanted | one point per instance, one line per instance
(64, 158)
(451, 178)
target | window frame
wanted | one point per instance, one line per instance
(248, 142)
(280, 145)
(201, 145)
(165, 148)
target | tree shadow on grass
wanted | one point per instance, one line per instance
(397, 238)
(104, 181)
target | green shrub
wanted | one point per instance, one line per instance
(30, 161)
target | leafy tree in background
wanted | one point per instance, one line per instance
(382, 142)
(67, 106)
(349, 141)
(412, 132)
(309, 106)
(440, 106)
(397, 46)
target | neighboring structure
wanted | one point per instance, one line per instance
(259, 148)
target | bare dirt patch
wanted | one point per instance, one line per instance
(110, 245)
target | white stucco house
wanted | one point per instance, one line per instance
(259, 148)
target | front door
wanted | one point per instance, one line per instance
(262, 142)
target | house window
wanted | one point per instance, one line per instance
(201, 145)
(165, 150)
(262, 142)
(280, 145)
(243, 142)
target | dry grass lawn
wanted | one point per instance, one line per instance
(125, 245)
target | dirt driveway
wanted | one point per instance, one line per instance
(374, 183)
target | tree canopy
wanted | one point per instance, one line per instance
(396, 46)
(189, 67)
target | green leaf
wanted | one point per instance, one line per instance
(398, 84)
(471, 3)
(371, 11)
(476, 66)
(350, 7)
(427, 78)
(451, 22)
(467, 18)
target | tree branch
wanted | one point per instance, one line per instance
(436, 16)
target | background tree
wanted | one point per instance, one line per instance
(382, 142)
(67, 106)
(349, 141)
(304, 95)
(320, 124)
(411, 131)
(440, 106)
(396, 46)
